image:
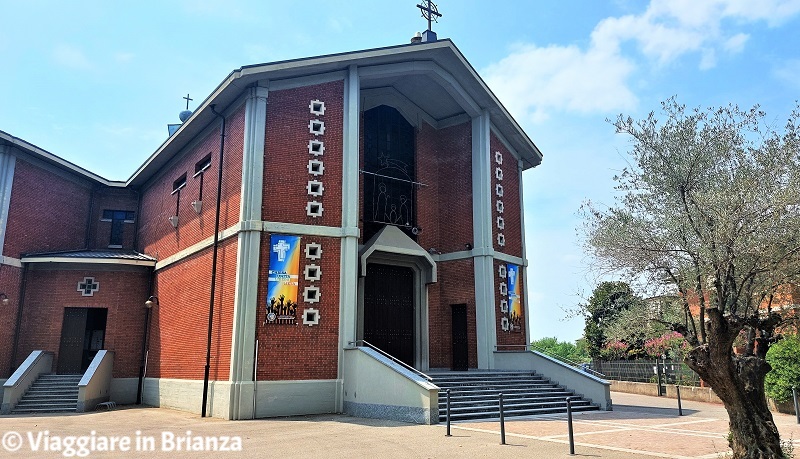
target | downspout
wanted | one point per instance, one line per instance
(145, 342)
(214, 260)
(19, 317)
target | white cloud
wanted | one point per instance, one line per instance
(787, 71)
(533, 81)
(72, 57)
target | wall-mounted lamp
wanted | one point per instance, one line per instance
(152, 301)
(468, 246)
(4, 299)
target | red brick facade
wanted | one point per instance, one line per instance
(297, 352)
(286, 155)
(50, 290)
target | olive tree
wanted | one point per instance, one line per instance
(709, 205)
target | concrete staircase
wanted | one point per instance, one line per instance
(474, 395)
(50, 394)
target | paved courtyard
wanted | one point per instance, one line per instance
(639, 427)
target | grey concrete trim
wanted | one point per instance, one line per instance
(295, 398)
(199, 246)
(310, 230)
(248, 251)
(7, 163)
(597, 390)
(505, 142)
(46, 157)
(467, 254)
(483, 241)
(37, 363)
(454, 120)
(525, 306)
(348, 257)
(394, 244)
(187, 395)
(95, 385)
(375, 386)
(98, 261)
(123, 390)
(15, 262)
(510, 258)
(410, 414)
(310, 80)
(432, 70)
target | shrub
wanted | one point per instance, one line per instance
(672, 344)
(784, 358)
(614, 350)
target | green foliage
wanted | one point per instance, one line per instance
(608, 300)
(784, 358)
(562, 349)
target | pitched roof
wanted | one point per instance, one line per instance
(120, 257)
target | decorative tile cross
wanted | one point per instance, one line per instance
(88, 286)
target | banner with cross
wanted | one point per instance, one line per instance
(282, 281)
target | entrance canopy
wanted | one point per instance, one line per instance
(391, 244)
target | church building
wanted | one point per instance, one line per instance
(316, 237)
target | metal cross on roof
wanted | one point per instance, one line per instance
(187, 100)
(429, 11)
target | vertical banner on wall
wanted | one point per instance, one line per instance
(282, 282)
(514, 297)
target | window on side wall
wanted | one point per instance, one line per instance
(118, 219)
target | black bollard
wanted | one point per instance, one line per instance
(502, 422)
(448, 414)
(796, 405)
(678, 390)
(569, 427)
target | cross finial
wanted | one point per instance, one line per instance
(429, 11)
(187, 100)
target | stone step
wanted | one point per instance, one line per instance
(495, 400)
(495, 414)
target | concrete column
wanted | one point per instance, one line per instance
(348, 267)
(483, 242)
(7, 163)
(524, 255)
(247, 256)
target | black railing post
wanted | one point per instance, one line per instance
(678, 390)
(447, 414)
(502, 422)
(658, 375)
(796, 404)
(569, 427)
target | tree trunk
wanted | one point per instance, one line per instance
(739, 382)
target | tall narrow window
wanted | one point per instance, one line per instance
(390, 187)
(118, 219)
(199, 169)
(177, 186)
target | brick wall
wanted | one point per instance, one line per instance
(106, 198)
(157, 237)
(301, 352)
(179, 328)
(508, 337)
(49, 291)
(10, 278)
(512, 211)
(286, 173)
(456, 285)
(42, 205)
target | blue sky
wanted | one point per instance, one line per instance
(96, 82)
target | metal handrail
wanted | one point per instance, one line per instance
(554, 356)
(392, 358)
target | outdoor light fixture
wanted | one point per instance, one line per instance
(4, 299)
(152, 301)
(468, 246)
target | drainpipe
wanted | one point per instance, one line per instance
(214, 260)
(19, 318)
(145, 342)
